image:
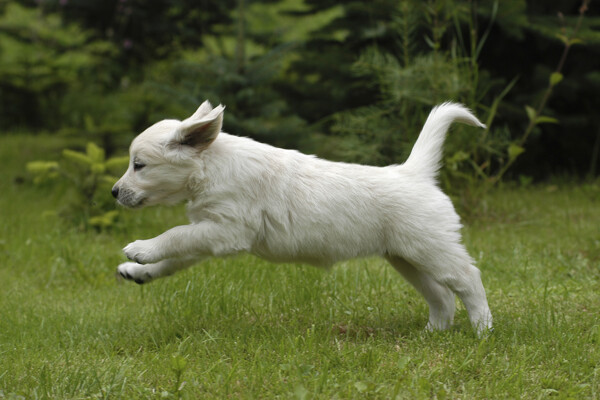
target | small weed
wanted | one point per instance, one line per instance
(89, 176)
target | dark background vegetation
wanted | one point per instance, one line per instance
(348, 80)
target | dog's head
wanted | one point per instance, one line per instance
(164, 158)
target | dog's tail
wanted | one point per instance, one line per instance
(426, 155)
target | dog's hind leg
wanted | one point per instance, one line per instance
(439, 297)
(451, 267)
(465, 281)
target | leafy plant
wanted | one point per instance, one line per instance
(410, 80)
(89, 177)
(534, 115)
(178, 366)
(484, 165)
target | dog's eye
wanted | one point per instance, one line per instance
(138, 165)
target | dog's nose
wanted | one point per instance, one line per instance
(115, 192)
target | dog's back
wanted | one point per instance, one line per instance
(301, 208)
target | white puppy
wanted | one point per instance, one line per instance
(285, 206)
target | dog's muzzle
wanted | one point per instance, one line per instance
(127, 198)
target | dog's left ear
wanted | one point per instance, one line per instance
(199, 131)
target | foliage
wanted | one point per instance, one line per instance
(42, 59)
(320, 80)
(535, 114)
(89, 179)
(236, 68)
(147, 31)
(253, 106)
(410, 81)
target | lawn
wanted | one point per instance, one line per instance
(243, 328)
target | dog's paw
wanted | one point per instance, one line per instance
(141, 251)
(134, 272)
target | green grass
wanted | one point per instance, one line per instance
(243, 328)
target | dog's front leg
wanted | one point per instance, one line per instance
(206, 238)
(140, 273)
(145, 251)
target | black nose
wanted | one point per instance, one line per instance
(115, 192)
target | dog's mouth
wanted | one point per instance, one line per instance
(137, 204)
(129, 200)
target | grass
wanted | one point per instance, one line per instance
(243, 328)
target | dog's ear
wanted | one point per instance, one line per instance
(203, 110)
(200, 131)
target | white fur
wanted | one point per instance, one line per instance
(285, 206)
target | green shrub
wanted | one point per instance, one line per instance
(89, 177)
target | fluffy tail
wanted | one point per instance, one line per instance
(426, 155)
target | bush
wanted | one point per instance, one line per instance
(89, 177)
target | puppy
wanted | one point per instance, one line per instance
(285, 206)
